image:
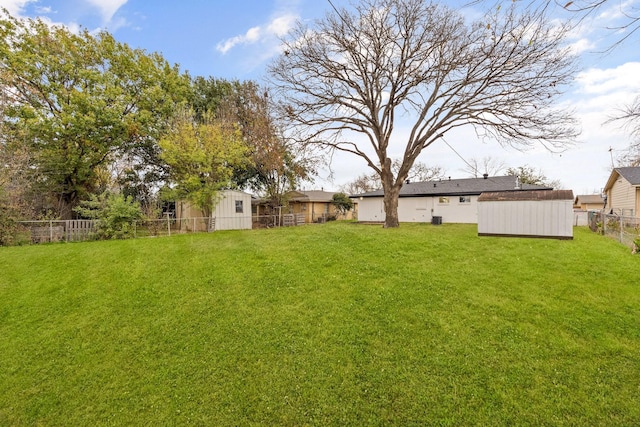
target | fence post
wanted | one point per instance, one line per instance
(50, 231)
(621, 230)
(168, 224)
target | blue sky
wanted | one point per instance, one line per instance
(236, 40)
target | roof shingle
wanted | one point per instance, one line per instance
(463, 187)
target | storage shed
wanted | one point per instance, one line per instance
(526, 214)
(233, 211)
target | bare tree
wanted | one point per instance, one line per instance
(628, 11)
(348, 82)
(419, 172)
(487, 165)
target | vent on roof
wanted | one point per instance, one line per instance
(485, 175)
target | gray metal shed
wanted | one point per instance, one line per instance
(545, 213)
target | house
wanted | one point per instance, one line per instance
(537, 213)
(452, 200)
(622, 191)
(314, 206)
(585, 203)
(317, 205)
(232, 211)
(589, 202)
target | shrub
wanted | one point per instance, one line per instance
(115, 214)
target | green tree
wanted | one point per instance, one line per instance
(277, 164)
(80, 101)
(529, 175)
(342, 202)
(115, 214)
(201, 156)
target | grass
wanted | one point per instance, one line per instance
(338, 324)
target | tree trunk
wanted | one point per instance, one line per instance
(391, 206)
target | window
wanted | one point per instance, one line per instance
(465, 199)
(239, 207)
(443, 200)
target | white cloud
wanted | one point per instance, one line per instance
(15, 7)
(622, 80)
(269, 32)
(107, 8)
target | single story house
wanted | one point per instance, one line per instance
(232, 211)
(452, 200)
(585, 203)
(623, 192)
(589, 202)
(537, 213)
(315, 206)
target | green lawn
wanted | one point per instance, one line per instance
(336, 324)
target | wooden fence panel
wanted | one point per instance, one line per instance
(79, 230)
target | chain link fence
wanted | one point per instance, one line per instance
(625, 229)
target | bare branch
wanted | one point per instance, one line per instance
(346, 82)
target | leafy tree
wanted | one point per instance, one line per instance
(80, 101)
(529, 175)
(277, 164)
(115, 214)
(201, 157)
(346, 82)
(342, 203)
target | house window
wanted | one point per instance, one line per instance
(465, 199)
(443, 200)
(239, 207)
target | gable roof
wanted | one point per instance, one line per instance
(589, 199)
(461, 187)
(631, 174)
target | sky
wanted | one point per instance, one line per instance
(236, 39)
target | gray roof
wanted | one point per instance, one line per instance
(631, 174)
(461, 187)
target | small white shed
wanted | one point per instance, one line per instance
(540, 213)
(233, 211)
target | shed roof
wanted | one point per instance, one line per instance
(462, 187)
(505, 196)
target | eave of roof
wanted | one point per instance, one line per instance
(457, 187)
(630, 174)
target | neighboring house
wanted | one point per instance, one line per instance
(231, 212)
(623, 192)
(538, 213)
(585, 203)
(589, 202)
(316, 205)
(453, 200)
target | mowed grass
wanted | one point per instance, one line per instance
(336, 324)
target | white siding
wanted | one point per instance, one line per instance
(225, 211)
(371, 209)
(421, 209)
(545, 218)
